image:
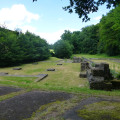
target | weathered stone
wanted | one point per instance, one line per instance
(83, 75)
(84, 66)
(99, 75)
(93, 79)
(17, 68)
(101, 86)
(77, 60)
(59, 64)
(97, 72)
(50, 69)
(3, 73)
(42, 76)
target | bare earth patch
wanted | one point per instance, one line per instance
(22, 106)
(6, 90)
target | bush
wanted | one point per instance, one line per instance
(63, 49)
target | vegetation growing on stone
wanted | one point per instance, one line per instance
(105, 110)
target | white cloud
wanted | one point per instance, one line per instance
(97, 18)
(53, 36)
(17, 15)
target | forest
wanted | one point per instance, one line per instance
(17, 47)
(103, 37)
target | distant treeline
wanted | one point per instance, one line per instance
(17, 47)
(95, 39)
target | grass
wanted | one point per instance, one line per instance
(4, 97)
(65, 78)
(112, 64)
(105, 110)
(96, 56)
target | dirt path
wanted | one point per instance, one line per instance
(24, 105)
(72, 113)
(6, 90)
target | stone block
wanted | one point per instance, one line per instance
(101, 86)
(97, 72)
(17, 68)
(84, 66)
(77, 60)
(83, 75)
(42, 76)
(93, 79)
(51, 69)
(3, 73)
(59, 64)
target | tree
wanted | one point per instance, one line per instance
(18, 48)
(84, 7)
(63, 49)
(110, 32)
(84, 41)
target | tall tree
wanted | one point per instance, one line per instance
(110, 32)
(63, 49)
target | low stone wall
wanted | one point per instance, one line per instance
(98, 75)
(77, 60)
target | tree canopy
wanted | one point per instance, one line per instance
(63, 49)
(84, 7)
(109, 32)
(16, 48)
(103, 37)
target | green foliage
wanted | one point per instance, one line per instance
(84, 41)
(101, 38)
(84, 7)
(63, 49)
(16, 48)
(105, 110)
(89, 39)
(110, 33)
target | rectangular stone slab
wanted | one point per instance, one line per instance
(59, 64)
(50, 69)
(17, 68)
(41, 77)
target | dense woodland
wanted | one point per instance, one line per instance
(16, 48)
(95, 39)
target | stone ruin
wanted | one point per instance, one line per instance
(59, 64)
(51, 69)
(77, 60)
(17, 68)
(98, 75)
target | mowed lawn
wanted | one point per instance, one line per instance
(64, 78)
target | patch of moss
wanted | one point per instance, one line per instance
(104, 110)
(54, 110)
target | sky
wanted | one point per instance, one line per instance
(45, 18)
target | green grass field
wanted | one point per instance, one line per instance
(65, 78)
(96, 56)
